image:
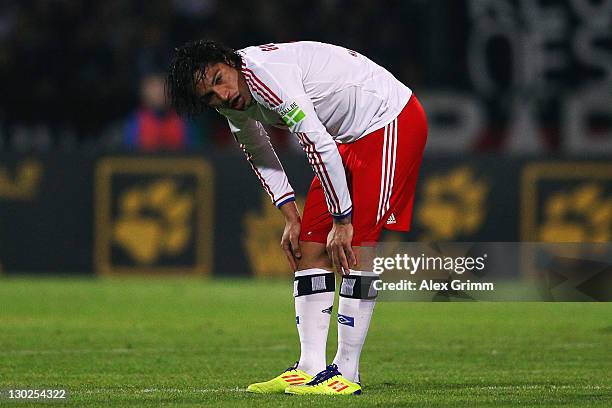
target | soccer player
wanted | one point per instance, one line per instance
(363, 132)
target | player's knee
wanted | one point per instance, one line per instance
(314, 255)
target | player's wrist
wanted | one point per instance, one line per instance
(290, 211)
(293, 220)
(343, 219)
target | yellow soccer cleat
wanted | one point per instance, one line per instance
(277, 385)
(327, 382)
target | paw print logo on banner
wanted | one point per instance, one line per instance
(153, 221)
(581, 214)
(566, 202)
(154, 216)
(453, 205)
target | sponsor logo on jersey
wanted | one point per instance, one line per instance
(346, 320)
(391, 219)
(292, 115)
(328, 310)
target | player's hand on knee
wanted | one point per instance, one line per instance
(339, 247)
(290, 242)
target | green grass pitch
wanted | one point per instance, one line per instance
(201, 342)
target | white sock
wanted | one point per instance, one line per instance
(357, 300)
(314, 291)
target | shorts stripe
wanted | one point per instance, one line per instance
(389, 154)
(393, 157)
(382, 175)
(388, 168)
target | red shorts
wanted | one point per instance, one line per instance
(382, 169)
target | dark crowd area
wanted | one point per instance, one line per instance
(90, 73)
(74, 67)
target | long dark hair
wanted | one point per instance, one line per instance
(188, 59)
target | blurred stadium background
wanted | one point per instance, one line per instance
(97, 175)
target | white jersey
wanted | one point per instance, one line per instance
(322, 93)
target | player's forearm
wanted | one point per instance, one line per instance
(272, 176)
(290, 211)
(255, 143)
(326, 162)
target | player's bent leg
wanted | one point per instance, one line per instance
(355, 308)
(314, 290)
(314, 255)
(354, 314)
